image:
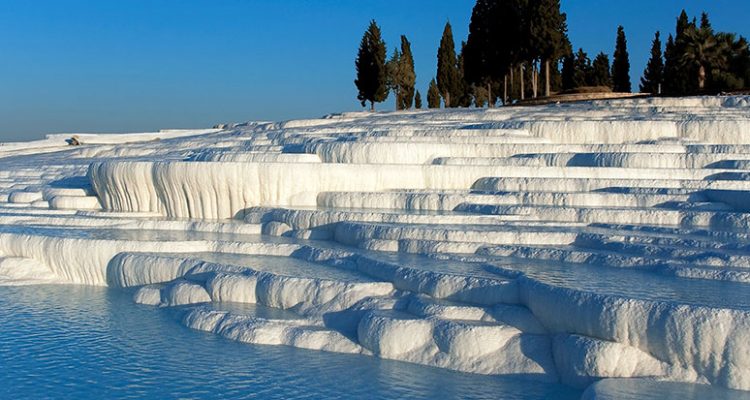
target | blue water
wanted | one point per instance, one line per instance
(73, 342)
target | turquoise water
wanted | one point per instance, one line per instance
(73, 342)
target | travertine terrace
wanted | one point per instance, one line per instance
(570, 243)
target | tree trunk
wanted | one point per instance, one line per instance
(510, 96)
(547, 85)
(372, 105)
(535, 79)
(701, 78)
(505, 90)
(447, 98)
(489, 94)
(523, 88)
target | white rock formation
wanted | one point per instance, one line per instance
(600, 244)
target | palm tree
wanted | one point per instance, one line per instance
(736, 73)
(703, 51)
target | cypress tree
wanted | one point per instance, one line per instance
(408, 76)
(418, 100)
(653, 75)
(548, 35)
(433, 95)
(448, 78)
(621, 64)
(391, 73)
(515, 38)
(555, 77)
(581, 69)
(517, 34)
(483, 63)
(568, 72)
(600, 75)
(683, 24)
(401, 75)
(465, 91)
(677, 79)
(706, 24)
(475, 57)
(685, 73)
(371, 71)
(671, 72)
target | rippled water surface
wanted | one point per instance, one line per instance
(83, 342)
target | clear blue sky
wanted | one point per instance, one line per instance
(108, 66)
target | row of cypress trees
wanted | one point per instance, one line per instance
(376, 76)
(579, 71)
(510, 42)
(515, 44)
(509, 37)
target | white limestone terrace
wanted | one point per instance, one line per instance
(604, 245)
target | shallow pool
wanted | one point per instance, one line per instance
(86, 342)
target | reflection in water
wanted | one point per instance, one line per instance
(87, 342)
(286, 266)
(638, 389)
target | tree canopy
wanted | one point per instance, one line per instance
(448, 76)
(653, 75)
(511, 42)
(401, 76)
(700, 60)
(371, 70)
(621, 64)
(600, 75)
(433, 95)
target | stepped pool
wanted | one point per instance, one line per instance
(89, 342)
